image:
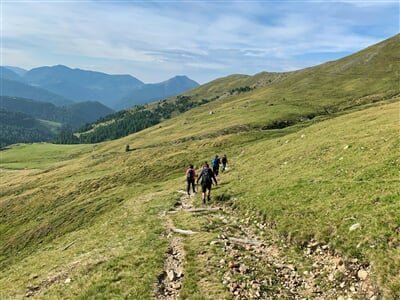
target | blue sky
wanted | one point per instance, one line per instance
(205, 40)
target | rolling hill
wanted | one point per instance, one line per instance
(308, 207)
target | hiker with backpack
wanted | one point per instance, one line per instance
(224, 162)
(190, 176)
(206, 175)
(215, 164)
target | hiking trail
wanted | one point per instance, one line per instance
(257, 264)
(169, 281)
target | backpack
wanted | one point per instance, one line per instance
(206, 176)
(215, 162)
(190, 174)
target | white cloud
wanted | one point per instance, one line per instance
(154, 39)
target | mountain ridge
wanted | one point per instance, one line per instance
(298, 92)
(160, 91)
(14, 88)
(85, 85)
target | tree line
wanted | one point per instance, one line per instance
(126, 122)
(18, 127)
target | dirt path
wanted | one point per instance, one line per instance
(258, 265)
(169, 281)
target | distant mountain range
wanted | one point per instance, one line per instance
(58, 98)
(62, 85)
(151, 92)
(14, 88)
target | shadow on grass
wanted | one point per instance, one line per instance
(224, 197)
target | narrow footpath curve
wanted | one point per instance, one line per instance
(258, 265)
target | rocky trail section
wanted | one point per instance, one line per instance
(169, 282)
(270, 270)
(255, 264)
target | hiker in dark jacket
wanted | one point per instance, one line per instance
(190, 176)
(206, 175)
(224, 161)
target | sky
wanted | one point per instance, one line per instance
(204, 40)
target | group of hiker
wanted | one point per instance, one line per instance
(207, 176)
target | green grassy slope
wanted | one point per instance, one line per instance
(82, 221)
(276, 100)
(312, 183)
(318, 182)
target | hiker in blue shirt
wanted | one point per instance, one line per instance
(206, 175)
(215, 164)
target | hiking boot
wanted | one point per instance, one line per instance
(204, 200)
(208, 198)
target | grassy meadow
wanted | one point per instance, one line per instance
(84, 221)
(314, 182)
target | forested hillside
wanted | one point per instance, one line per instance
(46, 119)
(22, 128)
(126, 122)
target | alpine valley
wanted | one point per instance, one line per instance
(308, 207)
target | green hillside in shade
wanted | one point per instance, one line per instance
(72, 116)
(26, 120)
(15, 126)
(311, 170)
